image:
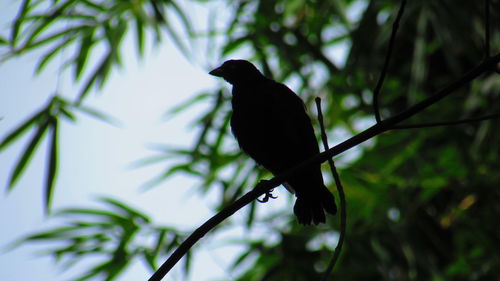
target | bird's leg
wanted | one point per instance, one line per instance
(268, 195)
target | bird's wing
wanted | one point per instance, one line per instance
(291, 111)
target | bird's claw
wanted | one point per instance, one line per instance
(268, 195)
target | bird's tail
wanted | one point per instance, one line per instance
(312, 208)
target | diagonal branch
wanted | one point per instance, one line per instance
(380, 82)
(447, 123)
(369, 133)
(340, 188)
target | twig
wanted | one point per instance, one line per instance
(380, 82)
(265, 186)
(487, 28)
(447, 123)
(340, 188)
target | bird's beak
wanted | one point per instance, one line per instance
(219, 72)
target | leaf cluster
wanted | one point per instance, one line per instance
(114, 236)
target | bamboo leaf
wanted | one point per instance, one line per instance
(158, 12)
(48, 21)
(187, 104)
(98, 114)
(234, 45)
(124, 207)
(52, 163)
(19, 21)
(105, 63)
(139, 29)
(48, 56)
(183, 17)
(159, 242)
(86, 44)
(22, 129)
(106, 215)
(95, 6)
(176, 39)
(67, 114)
(28, 152)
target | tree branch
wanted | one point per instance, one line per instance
(447, 123)
(380, 82)
(265, 186)
(340, 188)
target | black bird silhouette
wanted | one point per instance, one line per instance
(271, 125)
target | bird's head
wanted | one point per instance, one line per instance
(237, 72)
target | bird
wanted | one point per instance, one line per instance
(271, 125)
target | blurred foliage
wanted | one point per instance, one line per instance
(422, 203)
(114, 236)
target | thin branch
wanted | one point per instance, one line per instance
(447, 123)
(487, 28)
(340, 188)
(369, 133)
(380, 82)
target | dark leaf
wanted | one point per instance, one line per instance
(16, 26)
(126, 209)
(35, 119)
(46, 22)
(67, 114)
(95, 6)
(187, 104)
(103, 67)
(85, 46)
(234, 45)
(139, 29)
(186, 22)
(99, 115)
(52, 163)
(28, 152)
(49, 55)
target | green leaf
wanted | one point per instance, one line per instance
(67, 33)
(110, 216)
(67, 114)
(95, 6)
(186, 105)
(19, 21)
(177, 40)
(159, 242)
(54, 15)
(98, 114)
(85, 46)
(22, 129)
(186, 22)
(124, 207)
(234, 45)
(28, 152)
(102, 68)
(3, 41)
(139, 29)
(158, 12)
(52, 164)
(49, 55)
